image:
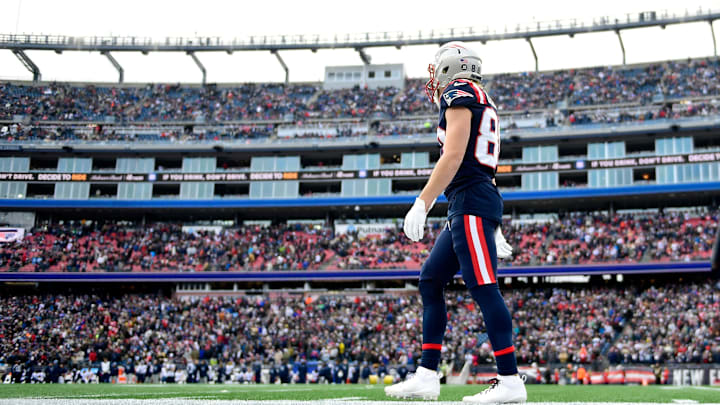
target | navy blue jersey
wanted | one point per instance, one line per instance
(471, 190)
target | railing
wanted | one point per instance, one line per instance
(348, 275)
(176, 202)
(365, 39)
(570, 130)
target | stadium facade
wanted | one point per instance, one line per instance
(353, 169)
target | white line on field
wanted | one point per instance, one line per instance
(209, 385)
(685, 401)
(185, 401)
(138, 393)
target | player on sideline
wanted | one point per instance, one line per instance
(472, 240)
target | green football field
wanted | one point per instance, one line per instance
(330, 394)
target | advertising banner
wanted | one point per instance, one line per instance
(11, 234)
(364, 230)
(336, 175)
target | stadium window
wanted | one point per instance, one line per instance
(565, 151)
(388, 74)
(573, 179)
(413, 186)
(103, 190)
(230, 163)
(350, 162)
(642, 145)
(512, 153)
(166, 190)
(168, 164)
(199, 164)
(384, 187)
(389, 158)
(371, 187)
(644, 175)
(103, 164)
(287, 163)
(134, 191)
(135, 165)
(41, 163)
(72, 191)
(530, 154)
(314, 188)
(331, 76)
(196, 190)
(371, 74)
(13, 190)
(14, 164)
(231, 190)
(74, 165)
(356, 75)
(706, 141)
(319, 161)
(40, 190)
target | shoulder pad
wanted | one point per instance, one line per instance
(462, 92)
(458, 93)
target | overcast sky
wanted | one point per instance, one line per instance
(230, 19)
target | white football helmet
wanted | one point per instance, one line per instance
(454, 60)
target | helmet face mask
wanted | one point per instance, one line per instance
(431, 86)
(453, 61)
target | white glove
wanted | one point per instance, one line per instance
(414, 224)
(504, 250)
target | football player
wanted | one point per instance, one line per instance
(471, 241)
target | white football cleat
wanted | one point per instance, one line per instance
(502, 390)
(424, 384)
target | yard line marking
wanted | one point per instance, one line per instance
(707, 388)
(685, 401)
(197, 401)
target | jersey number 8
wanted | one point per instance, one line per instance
(487, 144)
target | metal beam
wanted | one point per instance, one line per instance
(364, 56)
(199, 65)
(351, 41)
(712, 31)
(28, 63)
(121, 71)
(622, 45)
(284, 66)
(532, 48)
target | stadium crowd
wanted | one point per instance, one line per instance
(573, 238)
(232, 338)
(555, 92)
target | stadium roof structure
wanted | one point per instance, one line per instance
(19, 43)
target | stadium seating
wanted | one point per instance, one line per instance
(595, 326)
(556, 94)
(575, 238)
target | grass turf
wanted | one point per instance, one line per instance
(536, 393)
